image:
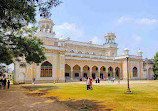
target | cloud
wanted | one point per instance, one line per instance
(139, 21)
(96, 40)
(68, 29)
(147, 21)
(75, 32)
(136, 37)
(124, 19)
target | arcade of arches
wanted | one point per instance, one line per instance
(77, 72)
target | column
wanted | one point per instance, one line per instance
(71, 74)
(90, 72)
(147, 74)
(16, 65)
(81, 73)
(106, 74)
(98, 72)
(114, 74)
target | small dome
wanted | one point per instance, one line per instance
(140, 51)
(61, 38)
(126, 49)
(46, 20)
(68, 38)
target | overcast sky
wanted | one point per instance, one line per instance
(134, 22)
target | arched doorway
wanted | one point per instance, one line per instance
(110, 72)
(117, 72)
(86, 71)
(135, 72)
(102, 72)
(150, 73)
(94, 72)
(46, 69)
(76, 72)
(67, 71)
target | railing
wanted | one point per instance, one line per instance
(103, 57)
(54, 48)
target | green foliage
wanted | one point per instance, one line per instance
(2, 69)
(156, 65)
(16, 39)
(21, 43)
(15, 14)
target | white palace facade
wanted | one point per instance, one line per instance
(69, 60)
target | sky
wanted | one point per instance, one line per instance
(134, 22)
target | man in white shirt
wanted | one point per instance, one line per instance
(88, 83)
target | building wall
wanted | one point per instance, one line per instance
(58, 53)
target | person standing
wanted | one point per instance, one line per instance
(91, 84)
(88, 83)
(98, 80)
(1, 83)
(111, 79)
(8, 84)
(4, 83)
(33, 80)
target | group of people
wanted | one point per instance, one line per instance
(89, 83)
(97, 80)
(3, 83)
(112, 79)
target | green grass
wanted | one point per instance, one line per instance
(144, 96)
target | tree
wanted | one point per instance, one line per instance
(156, 65)
(2, 69)
(16, 39)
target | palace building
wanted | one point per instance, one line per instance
(69, 60)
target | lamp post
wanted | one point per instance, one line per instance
(128, 89)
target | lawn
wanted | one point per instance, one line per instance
(144, 96)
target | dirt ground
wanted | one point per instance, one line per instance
(16, 99)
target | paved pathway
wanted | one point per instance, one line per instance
(15, 99)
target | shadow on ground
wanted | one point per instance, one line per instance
(84, 105)
(81, 105)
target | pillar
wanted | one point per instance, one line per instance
(16, 67)
(106, 74)
(90, 72)
(71, 74)
(81, 73)
(147, 74)
(114, 74)
(98, 73)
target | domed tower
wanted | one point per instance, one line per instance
(110, 38)
(110, 44)
(46, 28)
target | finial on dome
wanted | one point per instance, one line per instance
(139, 53)
(90, 42)
(68, 38)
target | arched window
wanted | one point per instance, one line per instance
(72, 51)
(46, 69)
(86, 53)
(135, 72)
(79, 52)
